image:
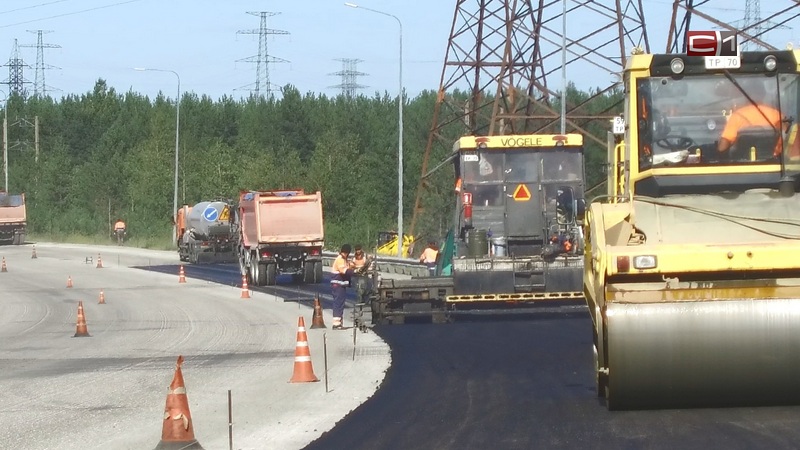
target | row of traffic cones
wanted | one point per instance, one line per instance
(4, 268)
(177, 429)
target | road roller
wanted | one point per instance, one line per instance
(692, 258)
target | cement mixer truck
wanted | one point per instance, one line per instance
(206, 233)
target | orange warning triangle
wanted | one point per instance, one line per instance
(522, 193)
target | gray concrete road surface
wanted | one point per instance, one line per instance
(108, 391)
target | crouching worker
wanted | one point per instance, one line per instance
(342, 271)
(362, 268)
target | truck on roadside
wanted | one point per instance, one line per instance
(280, 232)
(206, 232)
(13, 218)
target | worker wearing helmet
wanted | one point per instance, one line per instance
(342, 270)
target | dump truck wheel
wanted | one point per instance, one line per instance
(262, 276)
(308, 272)
(253, 273)
(270, 272)
(318, 272)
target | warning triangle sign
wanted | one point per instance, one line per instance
(521, 193)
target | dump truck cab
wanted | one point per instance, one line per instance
(691, 270)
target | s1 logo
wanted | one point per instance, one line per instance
(711, 43)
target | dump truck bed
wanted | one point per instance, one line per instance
(276, 219)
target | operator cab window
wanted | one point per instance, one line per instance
(682, 120)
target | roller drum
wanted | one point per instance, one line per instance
(712, 353)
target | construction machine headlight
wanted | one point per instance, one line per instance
(677, 66)
(770, 63)
(644, 262)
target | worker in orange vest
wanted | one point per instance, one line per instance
(342, 270)
(429, 256)
(119, 231)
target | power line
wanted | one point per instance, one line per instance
(349, 73)
(32, 6)
(16, 81)
(263, 59)
(70, 13)
(39, 86)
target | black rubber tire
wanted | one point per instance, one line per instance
(270, 272)
(262, 278)
(318, 277)
(308, 272)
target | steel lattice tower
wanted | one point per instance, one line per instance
(349, 74)
(504, 52)
(701, 14)
(16, 80)
(39, 85)
(263, 59)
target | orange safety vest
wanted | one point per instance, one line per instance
(120, 225)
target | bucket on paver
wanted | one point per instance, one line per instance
(477, 243)
(499, 246)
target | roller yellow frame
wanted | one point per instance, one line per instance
(692, 262)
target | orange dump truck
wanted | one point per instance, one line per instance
(13, 218)
(280, 232)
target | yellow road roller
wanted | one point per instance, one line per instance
(692, 258)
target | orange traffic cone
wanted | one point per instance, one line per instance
(3, 267)
(177, 430)
(33, 253)
(317, 321)
(102, 298)
(181, 275)
(245, 288)
(69, 282)
(81, 330)
(303, 370)
(99, 262)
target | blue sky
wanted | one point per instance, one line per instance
(199, 40)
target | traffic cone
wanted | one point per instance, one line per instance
(317, 321)
(303, 370)
(99, 262)
(33, 253)
(81, 330)
(102, 298)
(177, 431)
(181, 275)
(69, 282)
(245, 288)
(3, 267)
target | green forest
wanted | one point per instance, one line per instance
(105, 155)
